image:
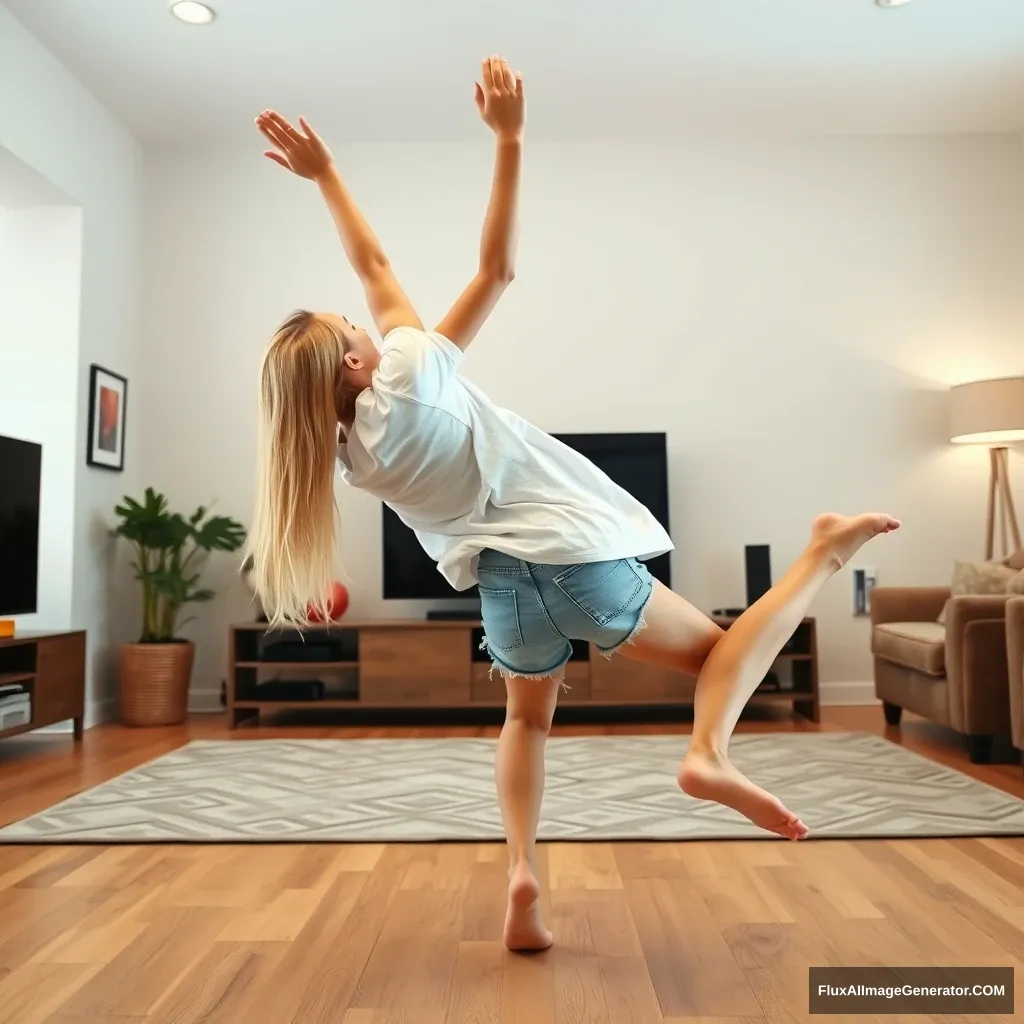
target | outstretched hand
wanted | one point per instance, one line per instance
(302, 152)
(500, 99)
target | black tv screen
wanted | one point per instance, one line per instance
(638, 463)
(21, 464)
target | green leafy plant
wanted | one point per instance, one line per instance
(170, 551)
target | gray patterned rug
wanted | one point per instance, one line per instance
(844, 785)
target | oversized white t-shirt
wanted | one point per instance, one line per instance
(466, 475)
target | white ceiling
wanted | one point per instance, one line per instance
(403, 69)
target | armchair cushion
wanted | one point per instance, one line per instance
(977, 579)
(917, 645)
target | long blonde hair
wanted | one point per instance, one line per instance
(291, 545)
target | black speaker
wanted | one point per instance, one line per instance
(759, 571)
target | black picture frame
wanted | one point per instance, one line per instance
(106, 433)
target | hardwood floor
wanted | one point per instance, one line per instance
(645, 933)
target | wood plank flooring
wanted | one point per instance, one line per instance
(368, 934)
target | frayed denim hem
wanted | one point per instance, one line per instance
(512, 673)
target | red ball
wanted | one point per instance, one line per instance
(337, 604)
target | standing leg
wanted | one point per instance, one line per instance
(520, 778)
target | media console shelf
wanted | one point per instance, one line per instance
(419, 663)
(51, 667)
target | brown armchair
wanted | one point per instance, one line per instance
(1015, 657)
(953, 674)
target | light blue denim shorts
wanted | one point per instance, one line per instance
(531, 612)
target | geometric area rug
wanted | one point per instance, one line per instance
(843, 785)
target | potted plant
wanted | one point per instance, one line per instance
(154, 674)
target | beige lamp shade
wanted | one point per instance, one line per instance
(988, 412)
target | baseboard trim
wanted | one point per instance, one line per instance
(205, 702)
(854, 693)
(96, 713)
(100, 711)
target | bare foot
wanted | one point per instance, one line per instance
(707, 777)
(524, 929)
(845, 535)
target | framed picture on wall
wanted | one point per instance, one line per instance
(108, 396)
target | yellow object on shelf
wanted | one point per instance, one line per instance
(6, 628)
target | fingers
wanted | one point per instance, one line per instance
(519, 85)
(278, 130)
(479, 97)
(510, 79)
(277, 158)
(499, 79)
(273, 135)
(282, 125)
(498, 75)
(308, 129)
(271, 132)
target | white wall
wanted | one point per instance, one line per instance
(53, 124)
(40, 286)
(791, 314)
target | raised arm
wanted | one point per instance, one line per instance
(502, 105)
(306, 154)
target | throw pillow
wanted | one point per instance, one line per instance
(1016, 584)
(978, 578)
(1016, 560)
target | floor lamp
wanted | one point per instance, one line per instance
(991, 412)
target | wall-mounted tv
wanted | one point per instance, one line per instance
(21, 465)
(638, 463)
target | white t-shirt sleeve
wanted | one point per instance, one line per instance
(416, 363)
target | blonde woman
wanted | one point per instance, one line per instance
(554, 545)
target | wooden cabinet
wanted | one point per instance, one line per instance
(51, 666)
(410, 666)
(621, 680)
(417, 663)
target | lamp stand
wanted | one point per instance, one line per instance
(1000, 504)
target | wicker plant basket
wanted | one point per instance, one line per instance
(154, 680)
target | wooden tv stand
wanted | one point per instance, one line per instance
(53, 667)
(419, 663)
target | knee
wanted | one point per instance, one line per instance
(532, 716)
(531, 703)
(700, 651)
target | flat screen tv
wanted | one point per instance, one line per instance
(636, 462)
(21, 464)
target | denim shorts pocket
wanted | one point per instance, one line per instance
(600, 589)
(500, 614)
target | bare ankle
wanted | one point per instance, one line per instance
(523, 863)
(707, 748)
(823, 554)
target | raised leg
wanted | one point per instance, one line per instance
(745, 653)
(730, 665)
(520, 779)
(893, 713)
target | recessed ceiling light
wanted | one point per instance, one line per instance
(892, 3)
(192, 12)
